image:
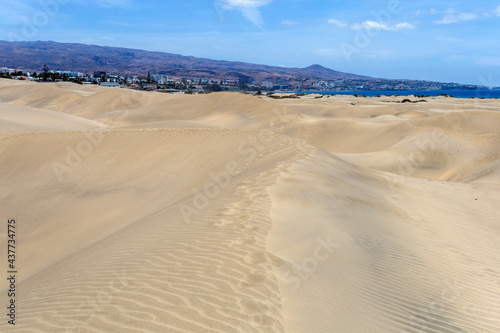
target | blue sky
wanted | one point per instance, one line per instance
(449, 41)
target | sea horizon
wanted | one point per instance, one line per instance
(487, 93)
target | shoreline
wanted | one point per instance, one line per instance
(465, 94)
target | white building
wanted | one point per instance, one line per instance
(161, 79)
(109, 84)
(70, 74)
(133, 79)
(267, 84)
(5, 70)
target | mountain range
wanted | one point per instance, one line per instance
(32, 56)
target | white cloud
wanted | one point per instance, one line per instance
(253, 15)
(496, 11)
(435, 11)
(290, 22)
(338, 23)
(372, 25)
(248, 8)
(454, 16)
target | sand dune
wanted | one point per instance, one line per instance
(149, 212)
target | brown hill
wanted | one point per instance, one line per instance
(88, 58)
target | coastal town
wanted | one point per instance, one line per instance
(163, 83)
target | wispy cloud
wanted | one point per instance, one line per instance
(373, 25)
(338, 23)
(462, 17)
(452, 15)
(496, 11)
(248, 8)
(290, 23)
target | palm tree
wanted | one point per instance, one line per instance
(45, 72)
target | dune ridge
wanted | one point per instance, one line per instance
(149, 212)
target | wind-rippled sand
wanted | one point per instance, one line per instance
(149, 212)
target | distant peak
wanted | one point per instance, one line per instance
(315, 66)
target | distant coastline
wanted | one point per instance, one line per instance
(487, 93)
(146, 70)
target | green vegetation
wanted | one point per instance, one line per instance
(214, 87)
(282, 97)
(406, 100)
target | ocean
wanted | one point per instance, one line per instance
(454, 93)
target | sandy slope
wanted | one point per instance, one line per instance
(146, 212)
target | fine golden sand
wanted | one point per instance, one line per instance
(150, 212)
